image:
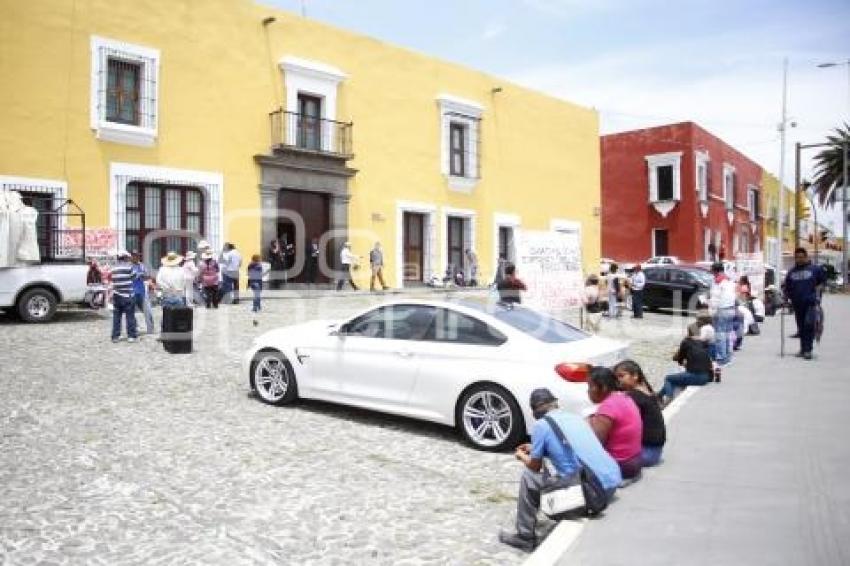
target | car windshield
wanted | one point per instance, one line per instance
(540, 326)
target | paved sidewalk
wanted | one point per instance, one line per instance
(754, 467)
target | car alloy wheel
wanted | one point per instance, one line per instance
(488, 419)
(273, 378)
(38, 307)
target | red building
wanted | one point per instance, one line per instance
(677, 190)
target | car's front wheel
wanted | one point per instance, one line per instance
(489, 418)
(273, 378)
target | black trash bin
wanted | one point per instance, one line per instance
(177, 330)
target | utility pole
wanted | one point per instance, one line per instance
(798, 210)
(782, 127)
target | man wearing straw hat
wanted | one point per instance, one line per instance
(171, 281)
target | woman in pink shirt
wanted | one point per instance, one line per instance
(617, 421)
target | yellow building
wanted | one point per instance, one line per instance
(231, 121)
(770, 227)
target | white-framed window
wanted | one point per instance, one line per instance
(665, 183)
(458, 235)
(729, 186)
(460, 145)
(124, 92)
(753, 203)
(416, 241)
(310, 121)
(702, 172)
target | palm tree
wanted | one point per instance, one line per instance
(828, 175)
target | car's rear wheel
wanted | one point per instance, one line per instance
(489, 418)
(273, 378)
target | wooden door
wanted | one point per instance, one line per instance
(414, 246)
(315, 213)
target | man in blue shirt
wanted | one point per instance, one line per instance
(141, 277)
(583, 448)
(803, 287)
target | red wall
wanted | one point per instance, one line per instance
(627, 217)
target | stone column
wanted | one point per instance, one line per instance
(268, 205)
(338, 223)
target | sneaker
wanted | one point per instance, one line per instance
(517, 541)
(132, 340)
(116, 340)
(807, 355)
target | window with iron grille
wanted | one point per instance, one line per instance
(124, 94)
(170, 217)
(457, 149)
(122, 91)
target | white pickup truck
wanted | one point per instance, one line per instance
(34, 291)
(38, 270)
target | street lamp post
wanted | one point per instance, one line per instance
(844, 176)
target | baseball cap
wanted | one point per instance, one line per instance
(541, 396)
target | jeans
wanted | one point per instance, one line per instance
(650, 455)
(377, 272)
(613, 309)
(738, 328)
(143, 304)
(230, 285)
(637, 303)
(528, 502)
(123, 306)
(806, 331)
(681, 380)
(256, 288)
(724, 320)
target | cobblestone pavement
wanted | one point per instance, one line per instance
(123, 454)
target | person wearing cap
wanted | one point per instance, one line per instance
(122, 297)
(171, 281)
(141, 296)
(190, 275)
(582, 448)
(349, 261)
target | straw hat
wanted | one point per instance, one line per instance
(203, 245)
(206, 254)
(171, 259)
(191, 255)
(122, 253)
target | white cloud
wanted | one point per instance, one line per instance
(493, 30)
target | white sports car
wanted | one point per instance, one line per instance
(467, 364)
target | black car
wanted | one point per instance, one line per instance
(678, 287)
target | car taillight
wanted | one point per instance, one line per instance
(574, 373)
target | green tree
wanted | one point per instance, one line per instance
(828, 174)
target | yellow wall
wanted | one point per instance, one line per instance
(219, 79)
(770, 192)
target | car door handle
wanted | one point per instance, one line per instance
(404, 353)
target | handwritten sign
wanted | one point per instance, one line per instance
(550, 265)
(751, 265)
(100, 242)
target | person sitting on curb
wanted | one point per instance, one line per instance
(693, 354)
(632, 380)
(616, 422)
(582, 448)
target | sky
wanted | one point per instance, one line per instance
(642, 63)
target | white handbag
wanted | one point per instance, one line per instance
(561, 500)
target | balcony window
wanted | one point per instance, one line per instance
(309, 122)
(664, 176)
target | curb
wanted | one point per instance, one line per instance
(567, 532)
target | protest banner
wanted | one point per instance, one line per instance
(751, 265)
(550, 265)
(101, 243)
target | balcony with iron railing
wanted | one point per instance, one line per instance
(303, 133)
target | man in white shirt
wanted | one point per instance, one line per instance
(636, 283)
(231, 262)
(348, 261)
(721, 303)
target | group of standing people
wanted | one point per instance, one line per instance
(604, 294)
(624, 434)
